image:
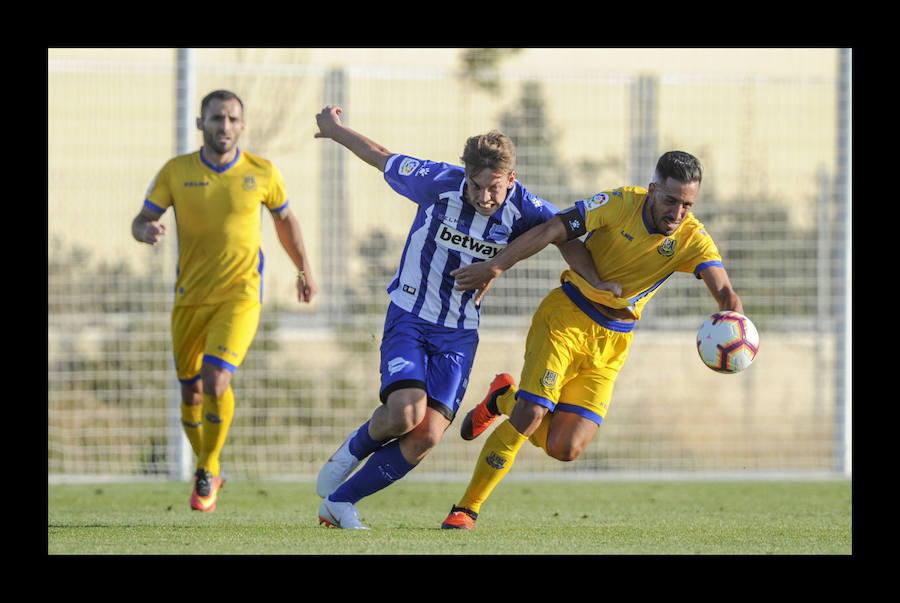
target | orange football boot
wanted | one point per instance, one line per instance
(460, 518)
(480, 418)
(206, 491)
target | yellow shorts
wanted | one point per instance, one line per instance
(573, 355)
(220, 334)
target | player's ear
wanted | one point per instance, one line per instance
(512, 180)
(199, 123)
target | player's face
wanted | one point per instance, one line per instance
(670, 202)
(222, 125)
(486, 190)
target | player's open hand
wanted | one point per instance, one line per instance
(328, 120)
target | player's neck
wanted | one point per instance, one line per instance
(217, 159)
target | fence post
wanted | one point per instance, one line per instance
(179, 450)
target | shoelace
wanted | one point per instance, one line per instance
(471, 514)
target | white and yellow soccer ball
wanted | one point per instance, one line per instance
(727, 342)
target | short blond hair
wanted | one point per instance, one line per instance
(494, 150)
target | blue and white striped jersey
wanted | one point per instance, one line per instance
(447, 233)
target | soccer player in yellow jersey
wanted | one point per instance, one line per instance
(217, 194)
(581, 332)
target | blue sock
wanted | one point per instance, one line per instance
(362, 445)
(385, 467)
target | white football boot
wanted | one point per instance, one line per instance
(337, 469)
(340, 515)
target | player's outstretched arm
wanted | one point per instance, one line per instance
(331, 126)
(479, 275)
(291, 237)
(146, 227)
(718, 283)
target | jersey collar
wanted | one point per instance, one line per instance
(224, 167)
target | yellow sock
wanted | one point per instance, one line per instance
(539, 437)
(217, 415)
(493, 464)
(507, 401)
(505, 404)
(192, 422)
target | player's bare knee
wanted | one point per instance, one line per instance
(421, 441)
(564, 447)
(564, 451)
(191, 394)
(216, 380)
(527, 416)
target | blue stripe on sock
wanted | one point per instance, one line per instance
(385, 467)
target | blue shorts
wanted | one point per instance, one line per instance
(417, 353)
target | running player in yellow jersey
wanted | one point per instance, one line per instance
(581, 332)
(217, 194)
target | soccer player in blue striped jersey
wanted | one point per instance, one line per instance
(581, 332)
(217, 194)
(466, 214)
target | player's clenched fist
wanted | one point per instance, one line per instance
(328, 120)
(153, 232)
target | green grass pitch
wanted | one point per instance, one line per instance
(521, 518)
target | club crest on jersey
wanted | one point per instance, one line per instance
(666, 248)
(549, 379)
(407, 166)
(250, 182)
(499, 231)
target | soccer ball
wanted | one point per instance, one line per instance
(727, 342)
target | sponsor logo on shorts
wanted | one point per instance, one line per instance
(395, 365)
